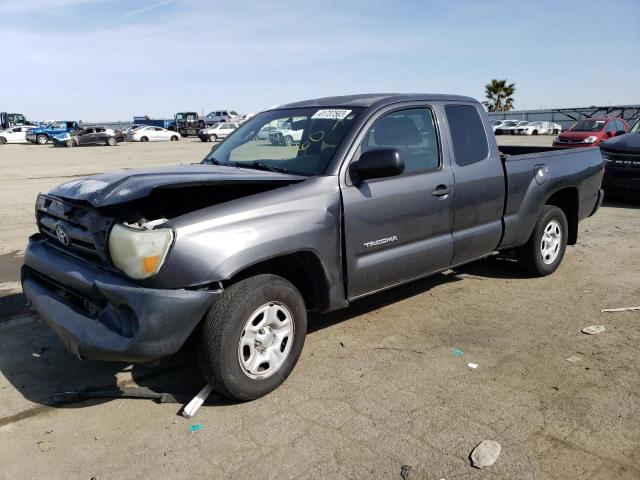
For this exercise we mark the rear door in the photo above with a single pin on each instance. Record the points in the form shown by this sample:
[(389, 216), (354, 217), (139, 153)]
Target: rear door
[(399, 228), (480, 184), (86, 136)]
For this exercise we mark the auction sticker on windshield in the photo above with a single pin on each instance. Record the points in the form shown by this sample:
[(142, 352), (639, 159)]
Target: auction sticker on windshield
[(332, 114)]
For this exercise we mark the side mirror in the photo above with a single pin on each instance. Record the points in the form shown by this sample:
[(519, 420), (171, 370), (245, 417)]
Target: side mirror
[(379, 163)]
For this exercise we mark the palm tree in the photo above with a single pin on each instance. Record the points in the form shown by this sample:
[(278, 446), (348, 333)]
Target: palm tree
[(499, 95)]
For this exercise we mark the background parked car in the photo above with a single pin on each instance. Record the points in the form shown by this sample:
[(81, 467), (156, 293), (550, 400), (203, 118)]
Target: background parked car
[(15, 134), (533, 128), (218, 116), (591, 131), (622, 164), (264, 132), (285, 135), (508, 127), (153, 134), (217, 132), (42, 135), (130, 129), (88, 136)]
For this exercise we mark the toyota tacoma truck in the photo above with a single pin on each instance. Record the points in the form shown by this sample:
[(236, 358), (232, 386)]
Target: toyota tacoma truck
[(233, 252)]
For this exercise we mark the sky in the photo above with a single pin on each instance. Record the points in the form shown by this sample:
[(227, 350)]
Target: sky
[(108, 60)]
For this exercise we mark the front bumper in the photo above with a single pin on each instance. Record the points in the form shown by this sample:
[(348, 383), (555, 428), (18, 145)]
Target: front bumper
[(100, 315)]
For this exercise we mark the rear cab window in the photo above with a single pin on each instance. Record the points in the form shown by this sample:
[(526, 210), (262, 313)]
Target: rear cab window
[(467, 134)]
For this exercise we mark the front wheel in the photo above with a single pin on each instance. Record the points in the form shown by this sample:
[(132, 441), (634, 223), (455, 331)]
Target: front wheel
[(42, 139), (252, 337), (70, 143), (544, 251), (111, 141), (174, 138), (213, 137), (287, 140), (3, 140)]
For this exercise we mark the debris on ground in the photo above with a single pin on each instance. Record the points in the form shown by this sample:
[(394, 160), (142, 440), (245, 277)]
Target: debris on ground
[(485, 453), (573, 359), (593, 329), (44, 445), (196, 427), (405, 472), (457, 352), (622, 309), (472, 365), (192, 407)]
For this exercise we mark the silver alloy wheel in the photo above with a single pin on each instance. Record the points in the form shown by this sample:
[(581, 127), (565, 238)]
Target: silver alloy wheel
[(551, 242), (266, 340)]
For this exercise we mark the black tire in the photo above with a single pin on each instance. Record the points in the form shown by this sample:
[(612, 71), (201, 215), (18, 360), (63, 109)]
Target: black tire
[(530, 255), (555, 132), (3, 140), (71, 143), (111, 142), (535, 132), (204, 139), (287, 140), (42, 139), (144, 139), (175, 138), (223, 327), (201, 124), (213, 137)]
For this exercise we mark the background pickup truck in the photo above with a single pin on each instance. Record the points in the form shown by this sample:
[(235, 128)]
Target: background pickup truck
[(42, 135), (380, 190)]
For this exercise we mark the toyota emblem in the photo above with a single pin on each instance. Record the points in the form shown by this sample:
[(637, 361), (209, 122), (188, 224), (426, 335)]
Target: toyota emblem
[(62, 236)]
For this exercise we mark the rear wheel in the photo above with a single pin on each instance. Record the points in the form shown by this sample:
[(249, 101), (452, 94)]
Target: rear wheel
[(535, 132), (42, 139), (252, 337), (544, 251), (71, 143), (111, 141), (3, 140), (213, 137), (144, 139), (288, 141)]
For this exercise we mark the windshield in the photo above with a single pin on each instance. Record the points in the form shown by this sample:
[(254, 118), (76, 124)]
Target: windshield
[(509, 124), (496, 122), (588, 126), (635, 128), (523, 124), (301, 141)]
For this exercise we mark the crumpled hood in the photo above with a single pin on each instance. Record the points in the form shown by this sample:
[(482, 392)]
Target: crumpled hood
[(627, 143), (124, 186)]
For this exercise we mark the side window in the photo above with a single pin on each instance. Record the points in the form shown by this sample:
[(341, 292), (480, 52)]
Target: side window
[(611, 126), (467, 134), (100, 130), (411, 132), (620, 126), (17, 129)]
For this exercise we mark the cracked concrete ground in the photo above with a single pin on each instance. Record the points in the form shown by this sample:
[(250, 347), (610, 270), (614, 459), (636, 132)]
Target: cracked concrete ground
[(377, 385)]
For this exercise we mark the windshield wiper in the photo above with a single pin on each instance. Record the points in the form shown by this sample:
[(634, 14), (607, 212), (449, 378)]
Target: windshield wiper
[(264, 166)]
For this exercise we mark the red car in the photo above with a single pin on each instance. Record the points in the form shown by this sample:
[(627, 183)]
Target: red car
[(591, 131)]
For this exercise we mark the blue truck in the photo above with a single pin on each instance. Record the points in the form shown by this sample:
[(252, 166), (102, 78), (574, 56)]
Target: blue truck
[(43, 135)]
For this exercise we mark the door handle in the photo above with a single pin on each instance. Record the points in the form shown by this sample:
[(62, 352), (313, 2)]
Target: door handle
[(441, 191)]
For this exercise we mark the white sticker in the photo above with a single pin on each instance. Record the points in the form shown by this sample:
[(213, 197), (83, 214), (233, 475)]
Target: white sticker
[(332, 114)]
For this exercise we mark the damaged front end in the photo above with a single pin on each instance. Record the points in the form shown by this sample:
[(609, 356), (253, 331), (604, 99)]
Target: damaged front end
[(91, 271)]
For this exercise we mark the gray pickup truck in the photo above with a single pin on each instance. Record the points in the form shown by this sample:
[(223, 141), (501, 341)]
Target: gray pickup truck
[(234, 251)]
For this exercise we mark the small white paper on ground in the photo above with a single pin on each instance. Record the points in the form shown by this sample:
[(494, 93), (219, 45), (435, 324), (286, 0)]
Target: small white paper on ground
[(573, 359), (485, 453), (593, 329), (192, 407), (472, 365)]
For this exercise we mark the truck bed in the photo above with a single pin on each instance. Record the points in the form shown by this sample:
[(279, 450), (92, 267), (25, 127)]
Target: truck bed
[(534, 174)]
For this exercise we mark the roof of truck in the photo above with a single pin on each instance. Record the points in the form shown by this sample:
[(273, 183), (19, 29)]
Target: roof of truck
[(368, 99)]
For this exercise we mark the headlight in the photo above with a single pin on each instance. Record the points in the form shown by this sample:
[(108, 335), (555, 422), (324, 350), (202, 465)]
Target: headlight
[(139, 253), (590, 139)]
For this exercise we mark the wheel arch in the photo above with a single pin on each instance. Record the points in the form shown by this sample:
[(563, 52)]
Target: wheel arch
[(303, 269), (567, 200)]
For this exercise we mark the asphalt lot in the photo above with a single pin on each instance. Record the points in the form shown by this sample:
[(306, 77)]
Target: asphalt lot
[(377, 385)]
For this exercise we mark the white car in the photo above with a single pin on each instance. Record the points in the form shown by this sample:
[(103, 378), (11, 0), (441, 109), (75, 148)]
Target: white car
[(16, 134), (508, 127), (495, 124), (128, 132), (152, 134), (532, 128), (221, 116), (217, 132), (285, 135)]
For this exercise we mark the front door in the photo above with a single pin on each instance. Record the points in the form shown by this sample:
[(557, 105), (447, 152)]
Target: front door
[(399, 228)]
